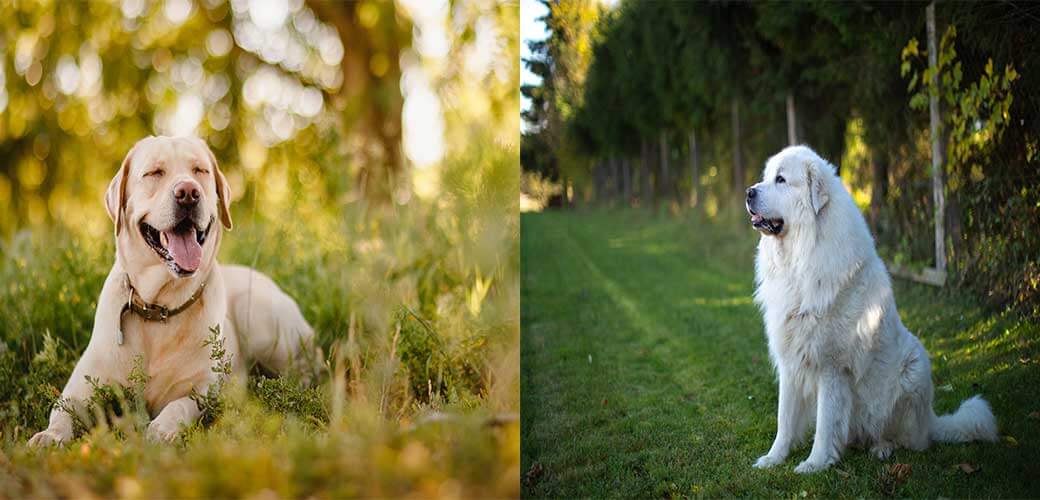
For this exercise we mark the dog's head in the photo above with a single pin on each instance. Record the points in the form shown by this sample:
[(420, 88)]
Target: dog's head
[(793, 190), (165, 201)]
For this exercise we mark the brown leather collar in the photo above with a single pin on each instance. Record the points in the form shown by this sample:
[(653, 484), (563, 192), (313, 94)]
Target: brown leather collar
[(158, 312)]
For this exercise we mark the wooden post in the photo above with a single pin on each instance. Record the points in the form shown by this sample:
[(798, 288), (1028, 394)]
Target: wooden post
[(792, 120), (695, 174), (626, 180), (664, 183), (738, 163), (932, 275), (938, 185), (646, 195), (615, 181)]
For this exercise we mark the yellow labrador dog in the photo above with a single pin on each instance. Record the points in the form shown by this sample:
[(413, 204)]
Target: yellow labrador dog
[(169, 202)]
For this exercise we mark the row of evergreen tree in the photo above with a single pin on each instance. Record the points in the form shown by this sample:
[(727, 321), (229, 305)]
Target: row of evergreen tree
[(646, 102)]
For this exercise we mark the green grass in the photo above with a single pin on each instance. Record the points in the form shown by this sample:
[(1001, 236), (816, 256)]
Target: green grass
[(419, 319), (645, 371)]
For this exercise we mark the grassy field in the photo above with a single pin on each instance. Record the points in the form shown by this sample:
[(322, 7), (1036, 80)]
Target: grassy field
[(645, 372), (417, 308)]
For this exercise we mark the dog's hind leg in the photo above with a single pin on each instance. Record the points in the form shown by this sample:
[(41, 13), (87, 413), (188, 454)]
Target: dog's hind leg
[(914, 421), (271, 329)]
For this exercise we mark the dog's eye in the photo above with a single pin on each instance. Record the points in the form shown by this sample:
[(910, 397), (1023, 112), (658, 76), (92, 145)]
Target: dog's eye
[(780, 179), (200, 170), (155, 173)]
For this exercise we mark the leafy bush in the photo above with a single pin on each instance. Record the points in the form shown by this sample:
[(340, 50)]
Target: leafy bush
[(992, 190)]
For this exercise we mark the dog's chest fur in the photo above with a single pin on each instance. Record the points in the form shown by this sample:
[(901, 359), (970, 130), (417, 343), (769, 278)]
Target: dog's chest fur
[(803, 337), (174, 358)]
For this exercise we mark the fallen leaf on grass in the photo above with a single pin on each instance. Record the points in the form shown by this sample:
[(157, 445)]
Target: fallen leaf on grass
[(533, 474), (604, 402), (968, 468), (945, 388), (892, 476), (1010, 441), (900, 472)]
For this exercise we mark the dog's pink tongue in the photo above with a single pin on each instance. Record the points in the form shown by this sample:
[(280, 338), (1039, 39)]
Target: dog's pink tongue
[(185, 249)]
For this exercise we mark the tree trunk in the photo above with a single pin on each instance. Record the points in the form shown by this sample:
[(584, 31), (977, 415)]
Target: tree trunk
[(738, 161), (792, 120), (695, 168), (646, 195), (566, 191), (664, 183), (377, 121), (612, 177), (938, 155), (626, 180)]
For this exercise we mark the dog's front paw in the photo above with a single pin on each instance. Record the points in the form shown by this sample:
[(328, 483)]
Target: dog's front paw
[(809, 466), (163, 432), (48, 437), (767, 461), (882, 450)]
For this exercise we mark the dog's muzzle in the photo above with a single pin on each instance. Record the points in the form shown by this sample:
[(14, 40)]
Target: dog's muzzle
[(766, 226)]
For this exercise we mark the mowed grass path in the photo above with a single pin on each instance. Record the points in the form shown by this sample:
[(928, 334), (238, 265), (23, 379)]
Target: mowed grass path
[(645, 371)]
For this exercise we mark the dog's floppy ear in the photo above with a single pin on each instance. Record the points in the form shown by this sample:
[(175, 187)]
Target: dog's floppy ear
[(223, 190), (115, 196), (817, 180)]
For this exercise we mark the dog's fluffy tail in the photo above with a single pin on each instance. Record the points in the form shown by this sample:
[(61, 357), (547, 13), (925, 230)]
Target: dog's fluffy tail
[(973, 421)]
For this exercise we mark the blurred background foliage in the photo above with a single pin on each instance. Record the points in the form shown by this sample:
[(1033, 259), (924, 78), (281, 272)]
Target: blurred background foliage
[(371, 149), (357, 98), (679, 104)]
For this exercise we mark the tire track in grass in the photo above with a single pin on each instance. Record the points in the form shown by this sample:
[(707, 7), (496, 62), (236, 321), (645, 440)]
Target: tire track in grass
[(609, 422), (657, 377), (709, 363)]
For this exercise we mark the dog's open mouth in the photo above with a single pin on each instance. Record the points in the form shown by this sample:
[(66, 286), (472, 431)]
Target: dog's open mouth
[(180, 246), (770, 226)]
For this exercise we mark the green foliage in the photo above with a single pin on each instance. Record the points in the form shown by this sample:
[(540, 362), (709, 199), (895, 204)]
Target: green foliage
[(114, 405), (991, 248), (441, 370), (562, 62), (976, 114), (289, 395), (211, 403), (27, 402)]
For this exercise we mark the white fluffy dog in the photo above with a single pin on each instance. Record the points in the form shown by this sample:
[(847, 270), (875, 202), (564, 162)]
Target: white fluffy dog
[(843, 357)]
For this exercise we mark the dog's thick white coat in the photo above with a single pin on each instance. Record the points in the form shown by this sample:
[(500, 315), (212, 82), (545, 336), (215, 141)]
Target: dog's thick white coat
[(259, 323), (844, 360)]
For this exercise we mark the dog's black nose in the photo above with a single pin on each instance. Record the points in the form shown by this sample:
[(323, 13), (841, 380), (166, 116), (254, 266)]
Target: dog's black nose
[(187, 194), (751, 193)]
